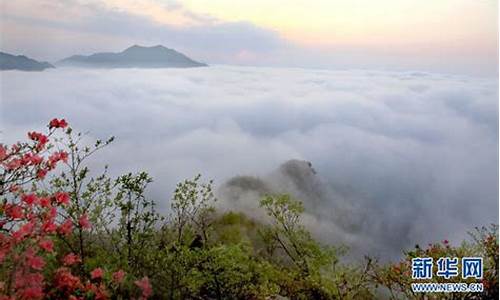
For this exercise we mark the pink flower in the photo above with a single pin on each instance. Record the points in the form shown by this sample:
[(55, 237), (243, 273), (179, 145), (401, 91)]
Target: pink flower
[(49, 226), (44, 202), (13, 164), (66, 227), (28, 286), (98, 290), (40, 138), (145, 286), (3, 153), (52, 213), (63, 156), (66, 281), (84, 222), (34, 292), (62, 198), (56, 157), (36, 160), (118, 276), (97, 273), (14, 211), (71, 259), (40, 174), (29, 199), (23, 231), (46, 245), (36, 262), (55, 123)]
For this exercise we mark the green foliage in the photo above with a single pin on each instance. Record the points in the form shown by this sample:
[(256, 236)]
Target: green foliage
[(311, 270), (90, 196), (290, 236), (192, 210)]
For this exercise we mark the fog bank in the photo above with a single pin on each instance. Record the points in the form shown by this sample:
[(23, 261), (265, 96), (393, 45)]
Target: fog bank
[(396, 158)]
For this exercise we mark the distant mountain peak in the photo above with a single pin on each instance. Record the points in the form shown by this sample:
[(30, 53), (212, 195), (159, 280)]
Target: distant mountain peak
[(135, 56), (21, 62), (139, 47)]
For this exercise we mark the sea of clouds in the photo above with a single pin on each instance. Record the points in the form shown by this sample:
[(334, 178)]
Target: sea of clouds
[(384, 160)]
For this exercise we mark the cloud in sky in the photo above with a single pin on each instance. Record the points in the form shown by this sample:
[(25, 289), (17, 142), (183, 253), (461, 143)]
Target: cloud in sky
[(64, 28), (394, 35), (400, 157)]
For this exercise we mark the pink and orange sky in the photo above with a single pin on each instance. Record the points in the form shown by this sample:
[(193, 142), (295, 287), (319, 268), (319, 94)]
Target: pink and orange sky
[(448, 36)]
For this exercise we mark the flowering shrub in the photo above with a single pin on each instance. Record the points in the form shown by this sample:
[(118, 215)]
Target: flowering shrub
[(32, 223)]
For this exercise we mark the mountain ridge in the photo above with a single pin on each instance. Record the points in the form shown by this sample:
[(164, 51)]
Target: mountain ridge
[(21, 62), (133, 57)]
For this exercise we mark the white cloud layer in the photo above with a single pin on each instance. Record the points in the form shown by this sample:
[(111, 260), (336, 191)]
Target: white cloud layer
[(406, 157)]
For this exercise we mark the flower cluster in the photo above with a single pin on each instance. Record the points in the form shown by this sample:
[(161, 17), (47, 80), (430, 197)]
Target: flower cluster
[(23, 162), (34, 221), (56, 123)]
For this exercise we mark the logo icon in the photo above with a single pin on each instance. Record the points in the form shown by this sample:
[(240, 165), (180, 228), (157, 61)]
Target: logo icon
[(447, 267), (472, 267), (422, 267)]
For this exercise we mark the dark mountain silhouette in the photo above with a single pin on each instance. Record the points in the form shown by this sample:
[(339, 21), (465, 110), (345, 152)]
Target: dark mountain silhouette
[(21, 62), (133, 57)]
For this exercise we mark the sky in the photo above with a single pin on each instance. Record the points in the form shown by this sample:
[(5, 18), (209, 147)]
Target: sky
[(454, 36)]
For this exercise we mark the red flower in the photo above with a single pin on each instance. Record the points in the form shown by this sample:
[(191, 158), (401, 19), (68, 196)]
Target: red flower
[(40, 174), (46, 245), (31, 159), (28, 285), (29, 199), (35, 159), (62, 198), (66, 281), (55, 123), (51, 213), (40, 138), (56, 157), (145, 286), (71, 259), (97, 273), (99, 292), (84, 222), (13, 164), (14, 211), (34, 292), (23, 231), (118, 276), (44, 202), (66, 227), (3, 153), (49, 227), (36, 262)]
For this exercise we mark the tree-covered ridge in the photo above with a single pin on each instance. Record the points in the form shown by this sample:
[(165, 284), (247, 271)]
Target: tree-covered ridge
[(65, 234)]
